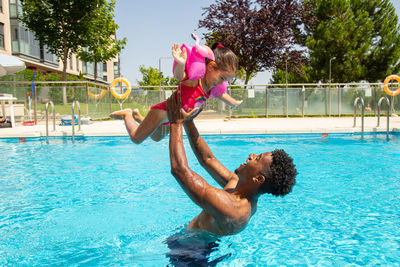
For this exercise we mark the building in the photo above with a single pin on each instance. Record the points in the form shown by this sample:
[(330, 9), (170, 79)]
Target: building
[(16, 40)]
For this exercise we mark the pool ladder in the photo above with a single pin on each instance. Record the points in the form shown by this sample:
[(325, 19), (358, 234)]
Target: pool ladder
[(73, 118), (387, 115), (362, 113), (47, 119)]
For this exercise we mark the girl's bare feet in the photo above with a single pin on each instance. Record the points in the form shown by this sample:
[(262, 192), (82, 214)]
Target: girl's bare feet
[(120, 114), (137, 116)]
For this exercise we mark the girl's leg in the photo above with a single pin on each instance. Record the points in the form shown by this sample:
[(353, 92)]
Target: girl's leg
[(150, 123), (159, 133)]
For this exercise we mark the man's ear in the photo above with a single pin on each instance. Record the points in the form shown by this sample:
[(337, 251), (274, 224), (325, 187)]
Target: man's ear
[(259, 179)]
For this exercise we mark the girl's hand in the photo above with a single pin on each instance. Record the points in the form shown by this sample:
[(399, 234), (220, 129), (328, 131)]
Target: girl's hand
[(179, 55)]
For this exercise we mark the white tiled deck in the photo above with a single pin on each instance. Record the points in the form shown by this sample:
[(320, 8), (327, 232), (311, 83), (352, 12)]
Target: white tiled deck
[(220, 126)]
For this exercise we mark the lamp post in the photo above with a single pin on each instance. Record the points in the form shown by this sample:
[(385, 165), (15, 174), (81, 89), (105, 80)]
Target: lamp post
[(159, 69), (160, 73), (330, 81)]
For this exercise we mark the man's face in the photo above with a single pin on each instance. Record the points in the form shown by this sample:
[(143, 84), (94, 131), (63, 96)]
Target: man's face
[(255, 164)]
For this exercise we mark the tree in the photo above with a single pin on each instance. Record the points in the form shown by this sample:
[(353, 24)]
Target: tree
[(102, 43), (63, 26), (384, 54), (151, 76), (260, 32), (356, 39)]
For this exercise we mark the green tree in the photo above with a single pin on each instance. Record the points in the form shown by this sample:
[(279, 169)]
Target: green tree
[(63, 26), (102, 43), (384, 54), (260, 32), (353, 39), (151, 76)]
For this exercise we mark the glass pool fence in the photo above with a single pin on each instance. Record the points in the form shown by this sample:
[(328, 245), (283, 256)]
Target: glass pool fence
[(267, 100)]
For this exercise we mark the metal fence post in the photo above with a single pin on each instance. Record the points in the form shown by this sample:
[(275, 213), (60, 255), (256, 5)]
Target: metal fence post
[(375, 100), (109, 99), (87, 99), (330, 99), (266, 101), (339, 100), (34, 104), (229, 107), (303, 93), (287, 101)]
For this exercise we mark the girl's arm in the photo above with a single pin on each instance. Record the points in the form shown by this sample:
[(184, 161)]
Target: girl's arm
[(180, 57), (227, 99)]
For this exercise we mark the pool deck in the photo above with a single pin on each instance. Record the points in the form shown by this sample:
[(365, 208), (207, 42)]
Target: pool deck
[(220, 126)]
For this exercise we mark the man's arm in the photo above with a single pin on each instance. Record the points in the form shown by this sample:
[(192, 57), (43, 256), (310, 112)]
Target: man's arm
[(214, 201), (206, 158)]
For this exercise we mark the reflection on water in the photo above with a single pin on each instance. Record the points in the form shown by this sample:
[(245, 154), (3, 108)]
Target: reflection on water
[(193, 248)]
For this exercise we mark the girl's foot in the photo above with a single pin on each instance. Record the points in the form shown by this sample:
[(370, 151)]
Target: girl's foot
[(120, 114), (137, 116)]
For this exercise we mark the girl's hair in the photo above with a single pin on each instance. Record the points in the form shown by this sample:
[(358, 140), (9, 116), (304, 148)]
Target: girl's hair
[(224, 58)]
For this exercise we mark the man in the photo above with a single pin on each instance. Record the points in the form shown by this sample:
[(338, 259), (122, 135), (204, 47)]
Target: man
[(225, 211)]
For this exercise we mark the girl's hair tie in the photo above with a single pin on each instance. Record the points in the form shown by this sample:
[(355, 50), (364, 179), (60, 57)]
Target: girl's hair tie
[(220, 46)]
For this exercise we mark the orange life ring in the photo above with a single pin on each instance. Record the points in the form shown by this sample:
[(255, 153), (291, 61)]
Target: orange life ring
[(128, 88), (386, 87), (97, 96)]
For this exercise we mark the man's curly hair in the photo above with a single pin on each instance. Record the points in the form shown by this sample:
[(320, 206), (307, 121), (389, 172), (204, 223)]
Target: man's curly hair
[(281, 175)]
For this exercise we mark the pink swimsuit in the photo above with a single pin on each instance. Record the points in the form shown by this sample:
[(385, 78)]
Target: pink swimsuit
[(192, 97)]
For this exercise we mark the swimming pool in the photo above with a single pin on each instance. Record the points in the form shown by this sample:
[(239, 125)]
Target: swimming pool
[(106, 201)]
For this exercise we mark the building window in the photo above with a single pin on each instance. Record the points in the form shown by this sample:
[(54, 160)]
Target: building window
[(1, 35), (14, 39), (105, 67), (24, 42), (1, 6), (116, 70), (104, 77), (49, 57), (15, 8), (70, 62), (77, 64)]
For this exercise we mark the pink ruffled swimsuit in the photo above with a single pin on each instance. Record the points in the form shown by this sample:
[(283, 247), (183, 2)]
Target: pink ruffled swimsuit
[(195, 69), (192, 97)]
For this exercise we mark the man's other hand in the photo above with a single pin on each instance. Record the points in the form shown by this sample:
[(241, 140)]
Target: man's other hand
[(175, 112)]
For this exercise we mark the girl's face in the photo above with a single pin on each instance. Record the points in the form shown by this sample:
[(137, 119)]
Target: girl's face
[(215, 77)]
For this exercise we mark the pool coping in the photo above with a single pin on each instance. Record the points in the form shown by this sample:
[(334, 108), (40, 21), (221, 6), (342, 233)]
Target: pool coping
[(220, 127)]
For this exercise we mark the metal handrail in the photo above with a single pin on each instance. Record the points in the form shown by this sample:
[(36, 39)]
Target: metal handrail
[(388, 113), (73, 118), (362, 113), (47, 119)]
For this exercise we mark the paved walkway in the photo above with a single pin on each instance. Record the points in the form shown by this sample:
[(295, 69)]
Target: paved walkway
[(219, 126)]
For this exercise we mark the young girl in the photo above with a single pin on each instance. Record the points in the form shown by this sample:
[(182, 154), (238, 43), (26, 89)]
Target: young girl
[(194, 93)]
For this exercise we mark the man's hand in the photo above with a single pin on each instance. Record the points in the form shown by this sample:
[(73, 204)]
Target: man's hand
[(176, 114), (194, 115), (179, 55)]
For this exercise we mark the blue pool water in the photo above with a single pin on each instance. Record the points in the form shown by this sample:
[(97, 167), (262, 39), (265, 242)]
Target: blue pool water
[(106, 201)]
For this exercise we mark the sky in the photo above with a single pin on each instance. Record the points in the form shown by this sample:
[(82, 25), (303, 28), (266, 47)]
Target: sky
[(152, 27)]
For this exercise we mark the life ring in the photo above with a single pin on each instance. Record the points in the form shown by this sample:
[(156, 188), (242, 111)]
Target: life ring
[(128, 88), (97, 96), (386, 87)]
